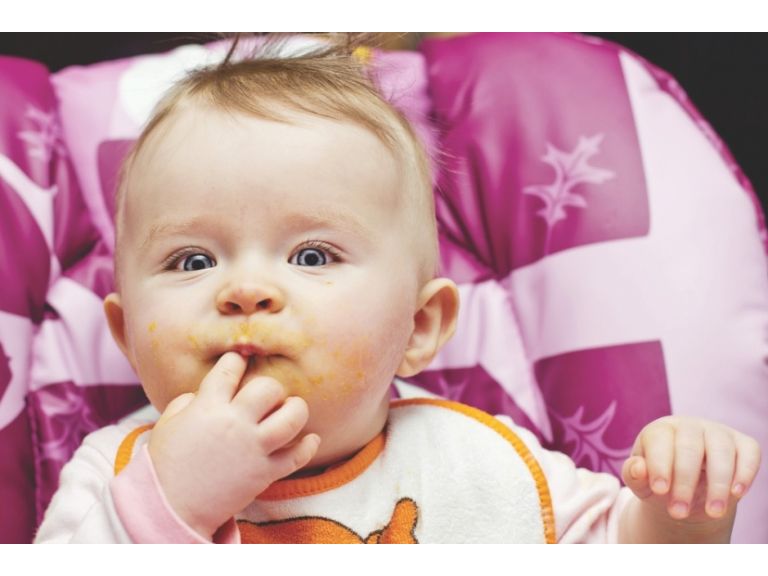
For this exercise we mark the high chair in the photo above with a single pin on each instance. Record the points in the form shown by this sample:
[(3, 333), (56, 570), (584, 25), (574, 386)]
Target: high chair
[(611, 255)]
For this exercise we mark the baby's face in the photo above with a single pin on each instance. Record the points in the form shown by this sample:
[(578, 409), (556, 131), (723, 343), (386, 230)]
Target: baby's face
[(284, 242)]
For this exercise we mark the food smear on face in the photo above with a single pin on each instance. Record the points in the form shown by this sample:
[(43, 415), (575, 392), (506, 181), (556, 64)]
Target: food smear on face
[(279, 353), (154, 343), (193, 340)]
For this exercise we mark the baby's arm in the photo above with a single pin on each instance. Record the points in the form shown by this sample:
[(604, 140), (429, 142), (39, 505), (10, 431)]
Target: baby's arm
[(215, 451), (587, 505), (219, 461), (688, 475)]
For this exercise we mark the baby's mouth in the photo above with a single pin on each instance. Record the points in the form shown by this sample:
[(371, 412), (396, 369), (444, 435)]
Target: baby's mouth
[(249, 350), (257, 357), (250, 340)]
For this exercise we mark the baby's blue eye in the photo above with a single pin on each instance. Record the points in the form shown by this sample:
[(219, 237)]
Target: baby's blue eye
[(310, 257), (195, 262)]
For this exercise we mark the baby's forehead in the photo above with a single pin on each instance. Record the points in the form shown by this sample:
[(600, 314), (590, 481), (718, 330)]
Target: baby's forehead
[(301, 139), (295, 152), (295, 131)]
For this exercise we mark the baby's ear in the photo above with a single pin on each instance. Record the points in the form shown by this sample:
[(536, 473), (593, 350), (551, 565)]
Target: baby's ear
[(113, 309), (434, 323)]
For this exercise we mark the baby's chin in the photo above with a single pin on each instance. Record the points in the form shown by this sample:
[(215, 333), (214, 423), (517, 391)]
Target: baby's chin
[(324, 460), (342, 430)]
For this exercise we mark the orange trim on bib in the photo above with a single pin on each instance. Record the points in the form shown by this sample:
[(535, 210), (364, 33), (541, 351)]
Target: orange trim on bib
[(125, 450), (328, 480), (545, 498)]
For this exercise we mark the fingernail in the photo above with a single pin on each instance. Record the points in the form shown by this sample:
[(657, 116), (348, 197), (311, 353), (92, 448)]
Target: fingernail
[(716, 508), (738, 490), (679, 510), (660, 486), (635, 470)]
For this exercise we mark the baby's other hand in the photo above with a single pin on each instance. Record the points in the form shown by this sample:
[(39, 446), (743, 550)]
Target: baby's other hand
[(216, 450), (695, 470)]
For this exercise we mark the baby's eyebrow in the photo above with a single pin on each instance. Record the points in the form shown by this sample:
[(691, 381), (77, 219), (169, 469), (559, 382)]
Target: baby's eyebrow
[(174, 228), (331, 219), (296, 222)]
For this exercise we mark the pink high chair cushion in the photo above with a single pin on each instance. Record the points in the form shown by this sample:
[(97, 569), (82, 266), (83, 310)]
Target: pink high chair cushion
[(609, 250), (54, 273), (25, 261)]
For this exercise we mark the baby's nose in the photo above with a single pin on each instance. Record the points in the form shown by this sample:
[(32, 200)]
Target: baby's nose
[(249, 299)]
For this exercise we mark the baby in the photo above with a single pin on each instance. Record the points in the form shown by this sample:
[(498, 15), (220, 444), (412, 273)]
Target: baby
[(276, 267)]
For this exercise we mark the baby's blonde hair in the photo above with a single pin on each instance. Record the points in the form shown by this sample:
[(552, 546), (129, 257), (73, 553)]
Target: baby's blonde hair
[(329, 82)]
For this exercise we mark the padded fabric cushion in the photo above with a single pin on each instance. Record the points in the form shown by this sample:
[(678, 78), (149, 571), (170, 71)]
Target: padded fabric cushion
[(608, 248), (55, 271)]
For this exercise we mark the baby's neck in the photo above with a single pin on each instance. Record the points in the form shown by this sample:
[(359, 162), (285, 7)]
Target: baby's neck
[(311, 471), (317, 470)]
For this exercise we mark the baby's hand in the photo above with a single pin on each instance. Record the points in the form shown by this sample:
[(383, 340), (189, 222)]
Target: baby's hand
[(216, 450), (691, 469)]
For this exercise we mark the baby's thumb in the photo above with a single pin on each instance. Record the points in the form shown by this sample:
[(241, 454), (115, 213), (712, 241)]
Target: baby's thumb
[(175, 406), (635, 476)]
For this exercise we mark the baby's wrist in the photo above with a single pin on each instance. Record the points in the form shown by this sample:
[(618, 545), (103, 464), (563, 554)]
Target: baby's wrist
[(183, 504), (655, 525)]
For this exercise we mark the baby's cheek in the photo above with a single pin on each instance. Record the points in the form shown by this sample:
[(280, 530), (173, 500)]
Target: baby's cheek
[(163, 363), (323, 374), (361, 365), (160, 339)]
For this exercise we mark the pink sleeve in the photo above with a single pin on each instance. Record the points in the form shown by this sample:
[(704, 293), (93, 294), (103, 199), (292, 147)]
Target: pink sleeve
[(587, 505), (145, 513)]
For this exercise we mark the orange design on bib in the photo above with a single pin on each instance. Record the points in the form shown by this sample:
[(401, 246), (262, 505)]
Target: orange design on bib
[(318, 530)]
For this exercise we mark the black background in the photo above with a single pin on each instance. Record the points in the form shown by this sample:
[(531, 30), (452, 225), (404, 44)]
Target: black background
[(724, 74)]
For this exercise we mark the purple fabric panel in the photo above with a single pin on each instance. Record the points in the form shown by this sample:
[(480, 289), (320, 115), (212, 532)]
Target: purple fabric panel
[(17, 483), (459, 263), (599, 399), (25, 112), (42, 212), (26, 120), (96, 270), (32, 136), (110, 156), (24, 258), (74, 232), (535, 127), (24, 255), (473, 386), (61, 416)]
